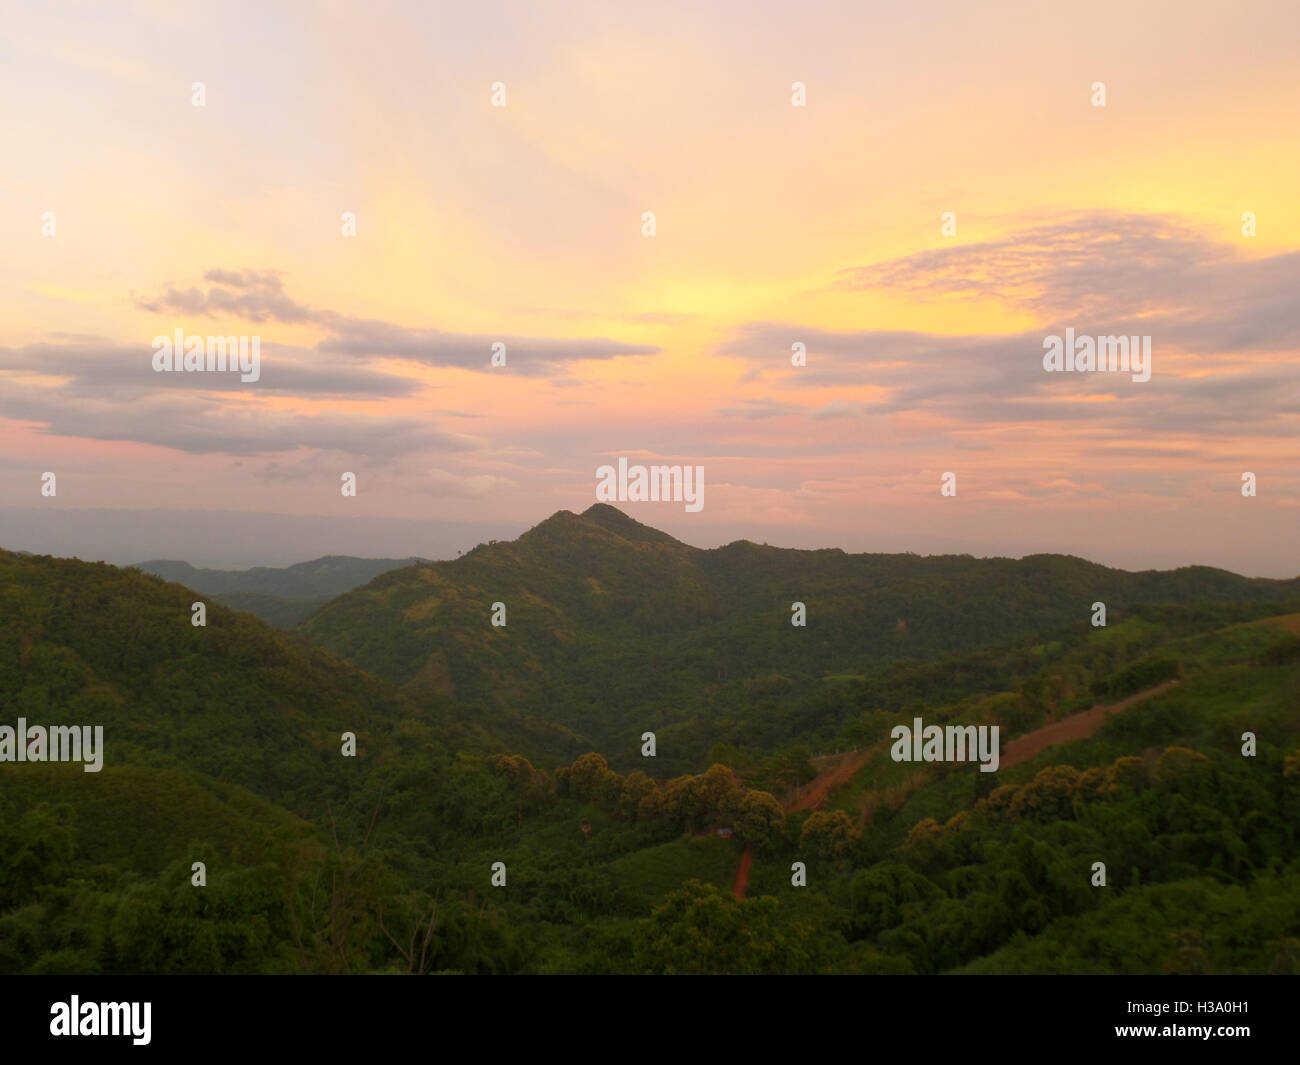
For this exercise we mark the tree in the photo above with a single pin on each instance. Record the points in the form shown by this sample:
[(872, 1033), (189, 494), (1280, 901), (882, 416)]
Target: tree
[(756, 817), (828, 834), (606, 790), (586, 776), (1049, 796), (712, 792), (880, 897), (1125, 777), (924, 846), (531, 788), (794, 768), (637, 789), (700, 929)]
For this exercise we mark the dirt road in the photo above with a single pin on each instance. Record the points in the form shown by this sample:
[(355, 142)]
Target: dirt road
[(1075, 727), (839, 769), (843, 768), (742, 873)]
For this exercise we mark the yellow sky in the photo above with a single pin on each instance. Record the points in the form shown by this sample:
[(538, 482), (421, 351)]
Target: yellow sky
[(526, 221)]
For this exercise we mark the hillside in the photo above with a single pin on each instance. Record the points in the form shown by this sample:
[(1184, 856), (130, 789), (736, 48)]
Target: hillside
[(222, 747), (221, 743), (283, 597), (614, 628), (235, 700)]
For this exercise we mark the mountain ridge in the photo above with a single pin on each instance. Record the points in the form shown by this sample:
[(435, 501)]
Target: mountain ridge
[(608, 624)]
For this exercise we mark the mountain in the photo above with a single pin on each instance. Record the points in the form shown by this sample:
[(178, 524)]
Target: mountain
[(223, 744), (223, 756), (283, 597), (234, 699), (614, 628)]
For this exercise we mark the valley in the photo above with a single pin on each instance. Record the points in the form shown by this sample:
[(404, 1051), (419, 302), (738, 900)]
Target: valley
[(521, 745)]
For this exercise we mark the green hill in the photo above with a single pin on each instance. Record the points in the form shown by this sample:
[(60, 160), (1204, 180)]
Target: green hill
[(283, 597), (223, 748), (614, 628)]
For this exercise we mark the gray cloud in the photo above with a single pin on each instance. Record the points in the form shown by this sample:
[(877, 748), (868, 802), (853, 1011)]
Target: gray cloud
[(759, 408), (252, 295), (259, 296), (110, 391), (1126, 273), (1001, 379), (202, 425), (1103, 275), (100, 369), (1114, 263), (844, 408), (113, 393), (530, 356)]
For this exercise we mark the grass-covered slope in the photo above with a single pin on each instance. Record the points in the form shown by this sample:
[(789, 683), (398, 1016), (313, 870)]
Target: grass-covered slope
[(222, 747), (283, 597), (613, 628)]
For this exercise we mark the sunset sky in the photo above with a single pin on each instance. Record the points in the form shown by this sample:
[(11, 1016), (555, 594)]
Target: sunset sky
[(775, 224)]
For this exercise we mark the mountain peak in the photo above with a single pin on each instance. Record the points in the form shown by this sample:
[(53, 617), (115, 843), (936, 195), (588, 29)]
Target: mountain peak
[(600, 516), (615, 521)]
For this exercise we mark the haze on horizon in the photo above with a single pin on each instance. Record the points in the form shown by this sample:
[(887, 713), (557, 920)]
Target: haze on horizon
[(232, 540), (775, 225)]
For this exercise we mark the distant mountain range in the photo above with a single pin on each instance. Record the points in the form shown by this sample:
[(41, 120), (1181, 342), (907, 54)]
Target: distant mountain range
[(283, 597)]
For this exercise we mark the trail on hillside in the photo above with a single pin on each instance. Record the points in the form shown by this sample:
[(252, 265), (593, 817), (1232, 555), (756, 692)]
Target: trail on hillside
[(742, 873), (1075, 727), (840, 769)]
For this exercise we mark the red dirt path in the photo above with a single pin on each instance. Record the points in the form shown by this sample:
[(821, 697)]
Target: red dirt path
[(1022, 748), (1075, 727), (814, 796), (742, 873), (840, 769)]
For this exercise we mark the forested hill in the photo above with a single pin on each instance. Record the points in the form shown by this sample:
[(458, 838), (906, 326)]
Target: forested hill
[(223, 744), (282, 597), (234, 699), (222, 747), (328, 576), (608, 619)]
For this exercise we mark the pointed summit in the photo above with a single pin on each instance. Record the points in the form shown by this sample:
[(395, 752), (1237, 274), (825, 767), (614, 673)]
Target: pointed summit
[(615, 521), (600, 521)]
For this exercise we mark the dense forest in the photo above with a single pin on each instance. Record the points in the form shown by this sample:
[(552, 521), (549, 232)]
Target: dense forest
[(499, 815), (285, 596)]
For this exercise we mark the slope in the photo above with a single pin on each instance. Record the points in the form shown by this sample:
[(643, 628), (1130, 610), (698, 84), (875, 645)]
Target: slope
[(613, 628)]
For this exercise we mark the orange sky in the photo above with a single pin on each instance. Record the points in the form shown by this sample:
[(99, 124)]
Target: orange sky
[(775, 224)]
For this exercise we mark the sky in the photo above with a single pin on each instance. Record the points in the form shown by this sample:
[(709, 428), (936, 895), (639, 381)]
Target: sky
[(949, 194)]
